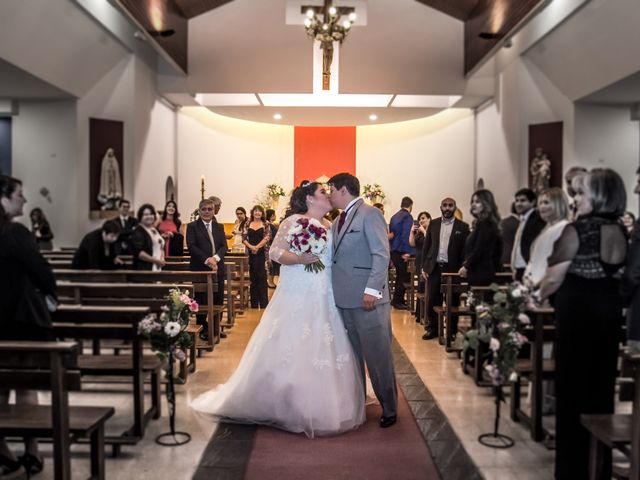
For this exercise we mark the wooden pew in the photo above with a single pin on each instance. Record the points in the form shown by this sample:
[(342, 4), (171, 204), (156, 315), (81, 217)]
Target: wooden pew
[(120, 323), (205, 282), (617, 431), (410, 286), (152, 295), (536, 369), (51, 366), (240, 281)]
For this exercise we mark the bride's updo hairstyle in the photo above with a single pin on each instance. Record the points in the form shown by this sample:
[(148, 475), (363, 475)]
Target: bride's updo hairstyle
[(299, 196)]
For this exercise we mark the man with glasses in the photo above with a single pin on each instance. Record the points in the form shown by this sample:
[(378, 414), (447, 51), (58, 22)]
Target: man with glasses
[(207, 246)]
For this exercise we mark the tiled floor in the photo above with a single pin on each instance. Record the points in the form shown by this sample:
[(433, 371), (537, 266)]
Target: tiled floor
[(468, 408)]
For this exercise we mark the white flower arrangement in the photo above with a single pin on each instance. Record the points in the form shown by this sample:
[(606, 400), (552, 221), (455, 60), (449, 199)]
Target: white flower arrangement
[(275, 190), (373, 192)]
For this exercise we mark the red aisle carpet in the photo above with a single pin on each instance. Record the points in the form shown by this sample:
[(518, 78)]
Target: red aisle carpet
[(369, 453)]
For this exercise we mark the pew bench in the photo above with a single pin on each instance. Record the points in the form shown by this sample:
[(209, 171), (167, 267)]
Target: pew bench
[(617, 431), (51, 366), (119, 323), (202, 282)]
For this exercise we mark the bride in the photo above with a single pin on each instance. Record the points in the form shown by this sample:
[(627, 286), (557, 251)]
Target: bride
[(298, 372)]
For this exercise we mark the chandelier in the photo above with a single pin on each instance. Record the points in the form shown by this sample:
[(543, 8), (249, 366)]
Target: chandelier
[(326, 30)]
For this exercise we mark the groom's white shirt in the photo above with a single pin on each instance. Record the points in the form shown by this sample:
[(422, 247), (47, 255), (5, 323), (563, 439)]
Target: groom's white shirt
[(369, 291)]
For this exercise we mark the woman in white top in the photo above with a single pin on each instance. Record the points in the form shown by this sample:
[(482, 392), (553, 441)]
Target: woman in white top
[(238, 231), (553, 208)]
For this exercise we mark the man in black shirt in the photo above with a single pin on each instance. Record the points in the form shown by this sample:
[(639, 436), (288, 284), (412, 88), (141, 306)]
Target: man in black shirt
[(97, 249)]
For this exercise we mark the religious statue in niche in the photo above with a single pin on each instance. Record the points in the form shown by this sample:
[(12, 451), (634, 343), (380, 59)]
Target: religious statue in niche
[(540, 171), (110, 181)]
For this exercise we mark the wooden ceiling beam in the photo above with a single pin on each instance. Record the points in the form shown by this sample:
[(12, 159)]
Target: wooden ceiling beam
[(460, 9), (193, 8)]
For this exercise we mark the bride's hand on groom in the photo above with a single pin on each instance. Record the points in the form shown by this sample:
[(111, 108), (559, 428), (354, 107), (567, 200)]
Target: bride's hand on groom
[(307, 259)]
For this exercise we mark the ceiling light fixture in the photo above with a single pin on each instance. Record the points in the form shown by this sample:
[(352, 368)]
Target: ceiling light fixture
[(373, 117), (277, 116), (162, 33), (326, 30)]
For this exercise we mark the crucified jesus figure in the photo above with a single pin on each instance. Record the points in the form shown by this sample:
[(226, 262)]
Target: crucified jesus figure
[(327, 58)]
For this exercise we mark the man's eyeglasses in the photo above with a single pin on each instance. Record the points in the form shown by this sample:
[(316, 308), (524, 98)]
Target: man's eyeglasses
[(207, 209)]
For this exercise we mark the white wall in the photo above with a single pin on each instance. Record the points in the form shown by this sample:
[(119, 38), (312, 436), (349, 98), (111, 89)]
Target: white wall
[(44, 155), (607, 137), (426, 159), (238, 159)]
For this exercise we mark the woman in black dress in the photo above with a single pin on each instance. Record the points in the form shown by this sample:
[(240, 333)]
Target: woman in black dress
[(27, 292), (147, 245), (416, 240), (483, 248), (583, 275), (274, 267), (41, 229), (256, 237)]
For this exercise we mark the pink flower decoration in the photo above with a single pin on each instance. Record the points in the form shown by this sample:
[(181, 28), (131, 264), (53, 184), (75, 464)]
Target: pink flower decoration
[(193, 306)]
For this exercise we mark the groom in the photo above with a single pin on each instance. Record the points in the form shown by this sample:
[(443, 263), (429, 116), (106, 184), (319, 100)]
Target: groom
[(360, 279)]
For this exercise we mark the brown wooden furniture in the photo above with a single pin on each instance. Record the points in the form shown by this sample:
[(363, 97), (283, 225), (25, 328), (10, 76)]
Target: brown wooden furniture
[(618, 431), (205, 282), (535, 369), (119, 323), (51, 366)]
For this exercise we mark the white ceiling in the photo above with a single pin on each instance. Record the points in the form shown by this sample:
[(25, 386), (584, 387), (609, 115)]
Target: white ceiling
[(245, 46)]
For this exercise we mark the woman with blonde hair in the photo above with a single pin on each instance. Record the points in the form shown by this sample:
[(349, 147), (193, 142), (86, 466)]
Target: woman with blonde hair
[(553, 208)]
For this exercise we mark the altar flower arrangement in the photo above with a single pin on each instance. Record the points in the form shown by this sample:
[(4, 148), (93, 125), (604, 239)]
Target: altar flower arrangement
[(167, 332), (274, 190), (500, 323), (308, 235), (373, 192)]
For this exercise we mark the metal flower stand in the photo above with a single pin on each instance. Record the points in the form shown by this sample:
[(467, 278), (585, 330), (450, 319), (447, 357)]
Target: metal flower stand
[(495, 439), (172, 438)]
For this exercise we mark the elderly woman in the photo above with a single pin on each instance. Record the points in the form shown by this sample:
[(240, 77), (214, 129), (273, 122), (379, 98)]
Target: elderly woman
[(27, 291), (147, 245), (483, 250), (553, 208), (583, 274)]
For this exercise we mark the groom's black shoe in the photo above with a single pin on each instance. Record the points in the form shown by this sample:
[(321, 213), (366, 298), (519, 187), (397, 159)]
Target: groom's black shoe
[(386, 422)]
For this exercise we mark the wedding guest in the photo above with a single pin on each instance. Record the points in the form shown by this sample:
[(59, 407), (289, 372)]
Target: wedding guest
[(41, 229), (147, 245), (508, 228), (583, 275), (256, 238), (572, 173), (238, 229), (274, 267), (169, 228), (443, 252), (416, 240), (483, 249), (127, 223), (27, 292), (380, 207), (554, 210), (207, 246), (529, 228), (400, 226), (629, 221), (631, 282), (97, 249)]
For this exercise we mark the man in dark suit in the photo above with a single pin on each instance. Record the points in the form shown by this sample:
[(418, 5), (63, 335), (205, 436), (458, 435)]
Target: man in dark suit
[(207, 246), (443, 252), (529, 228), (508, 228), (127, 224)]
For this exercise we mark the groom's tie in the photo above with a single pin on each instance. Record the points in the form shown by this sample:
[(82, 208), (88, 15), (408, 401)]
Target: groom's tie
[(343, 215)]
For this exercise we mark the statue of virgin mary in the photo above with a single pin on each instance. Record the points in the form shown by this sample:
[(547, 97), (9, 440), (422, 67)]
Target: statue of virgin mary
[(110, 181)]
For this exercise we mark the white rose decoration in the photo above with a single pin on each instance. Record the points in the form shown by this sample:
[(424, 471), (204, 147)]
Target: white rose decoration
[(494, 345), (172, 329)]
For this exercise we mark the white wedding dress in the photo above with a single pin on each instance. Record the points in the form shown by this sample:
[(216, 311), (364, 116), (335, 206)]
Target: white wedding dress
[(298, 372)]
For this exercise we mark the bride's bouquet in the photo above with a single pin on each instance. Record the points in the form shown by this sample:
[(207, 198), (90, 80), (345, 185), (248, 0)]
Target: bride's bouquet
[(308, 235)]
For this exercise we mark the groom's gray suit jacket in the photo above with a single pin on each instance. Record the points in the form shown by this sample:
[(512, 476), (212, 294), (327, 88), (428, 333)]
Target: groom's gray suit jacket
[(360, 256)]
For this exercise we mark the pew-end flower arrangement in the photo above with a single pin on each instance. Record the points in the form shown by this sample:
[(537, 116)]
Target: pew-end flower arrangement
[(169, 340), (373, 192), (499, 324), (167, 333)]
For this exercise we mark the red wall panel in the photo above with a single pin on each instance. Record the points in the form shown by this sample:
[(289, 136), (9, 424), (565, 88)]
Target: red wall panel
[(323, 151)]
